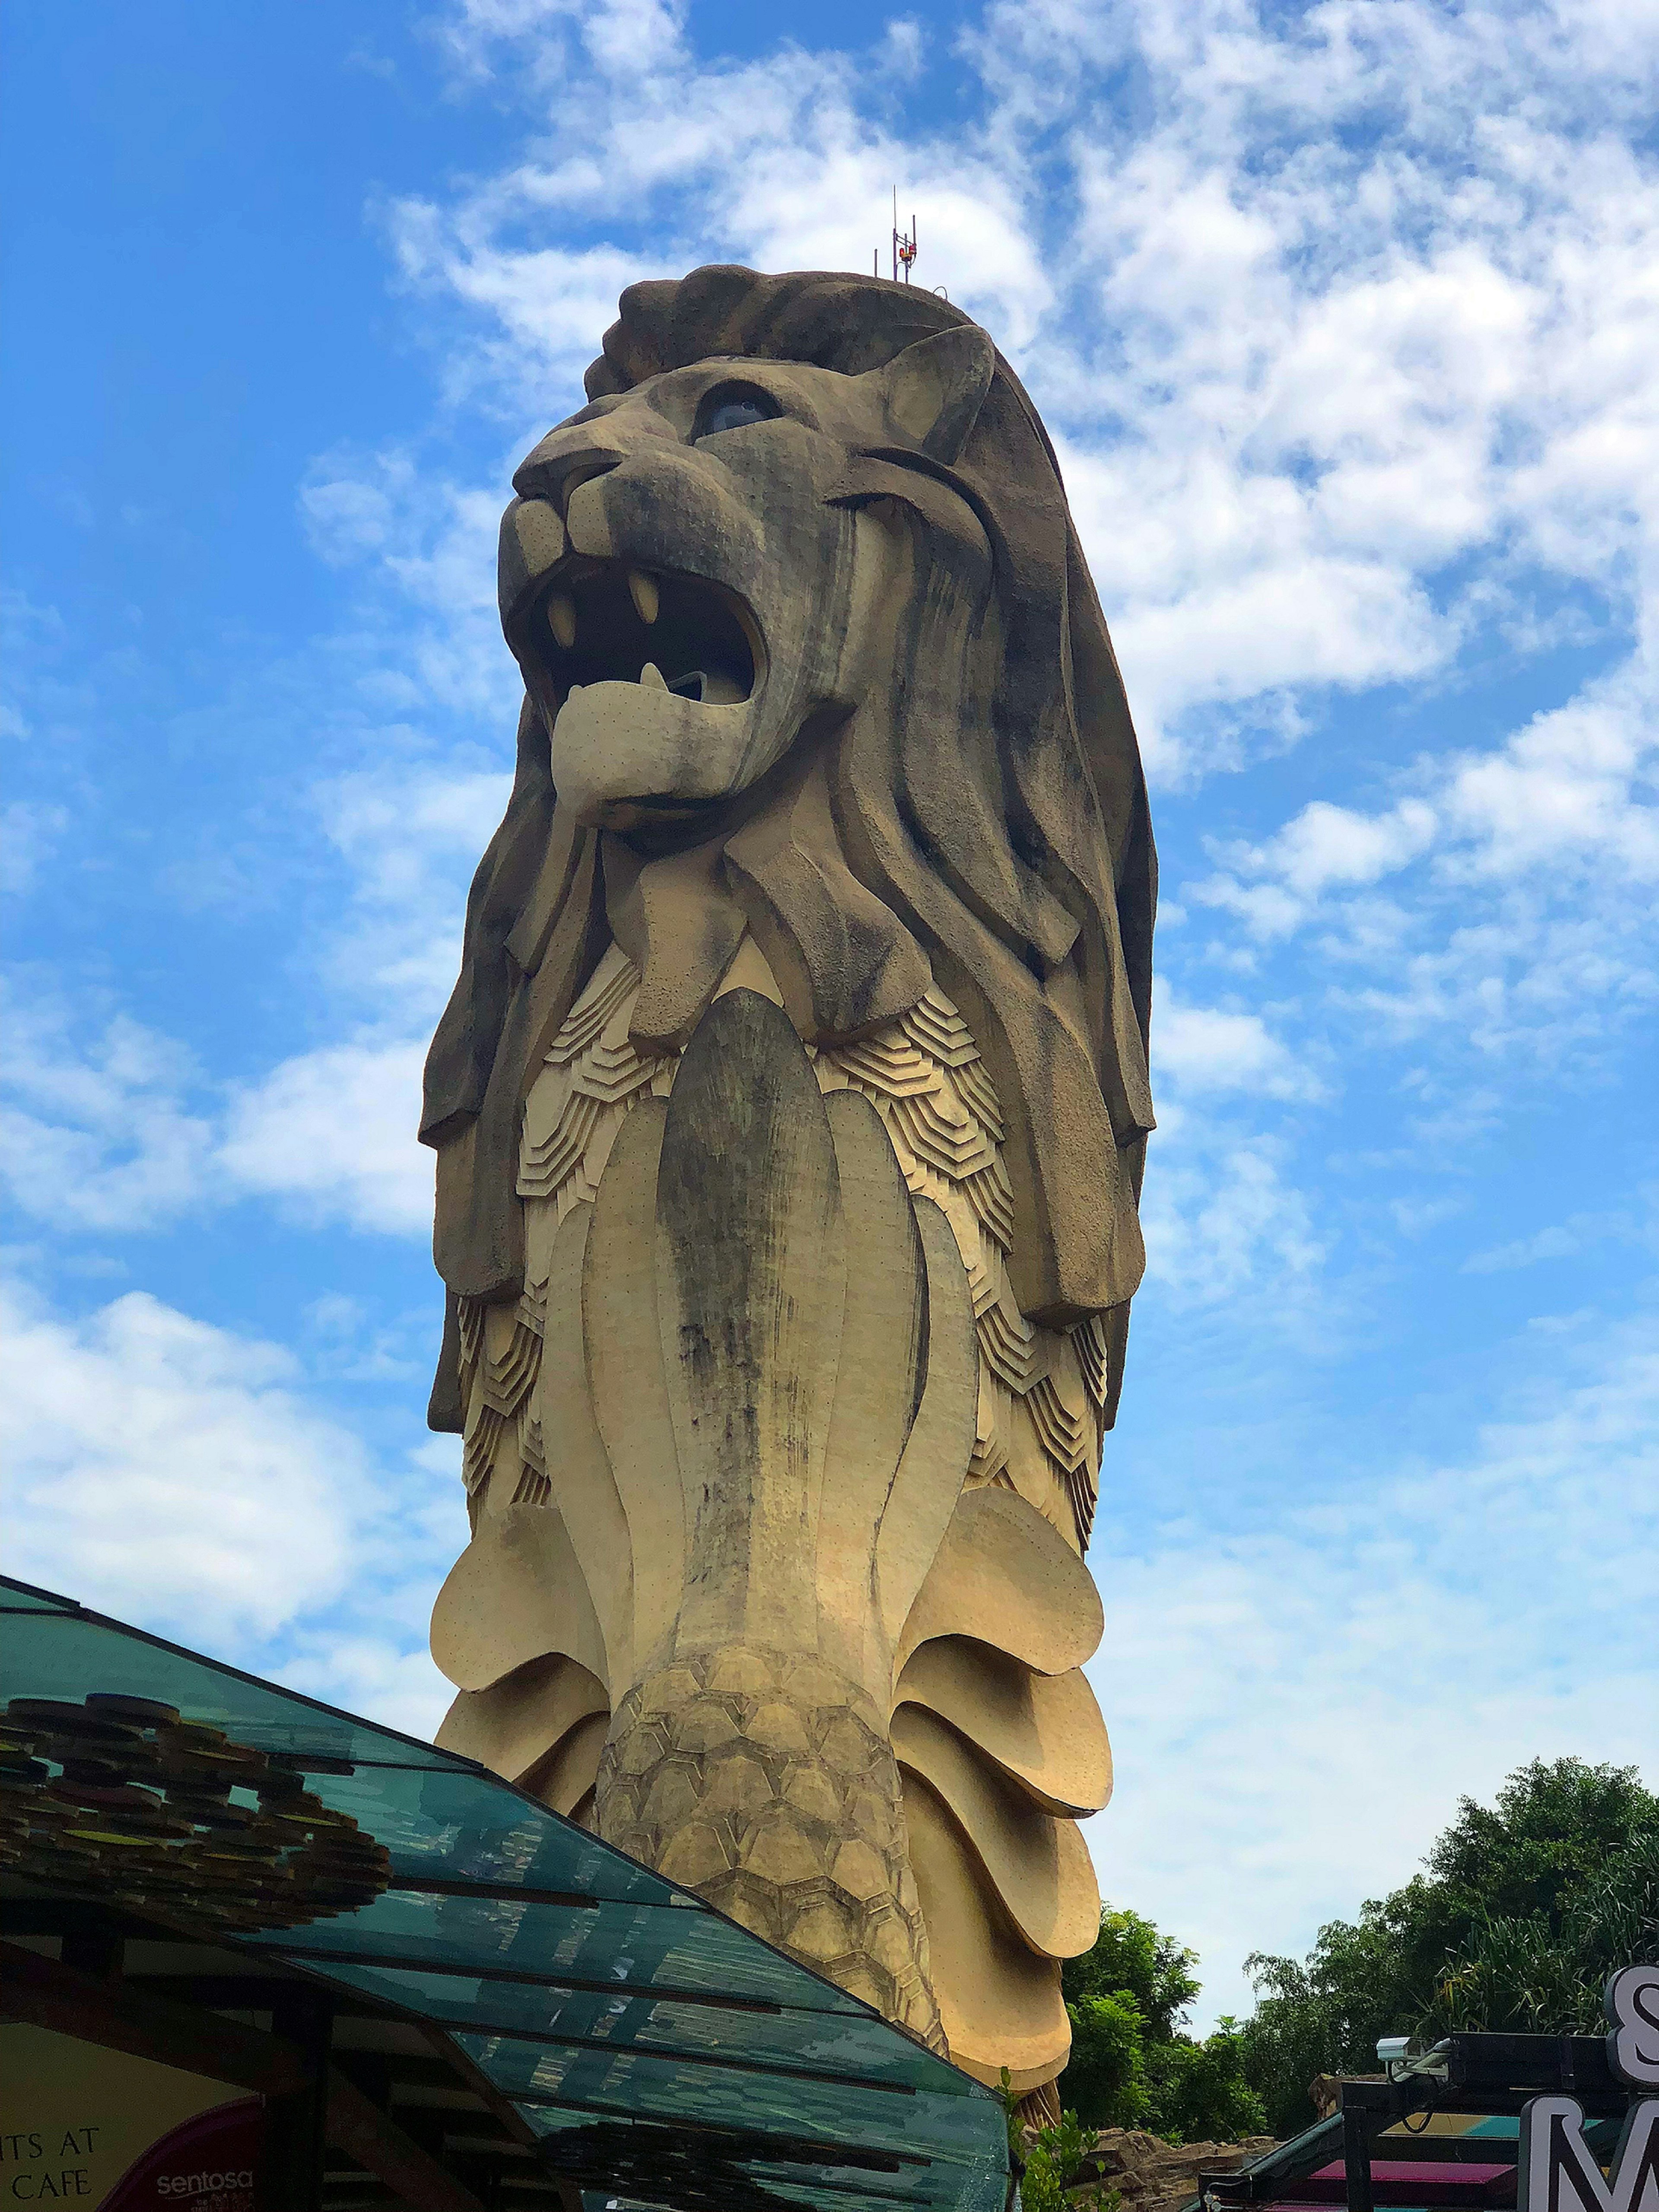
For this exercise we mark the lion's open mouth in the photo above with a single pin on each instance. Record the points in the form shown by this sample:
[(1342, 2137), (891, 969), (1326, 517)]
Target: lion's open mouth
[(602, 622)]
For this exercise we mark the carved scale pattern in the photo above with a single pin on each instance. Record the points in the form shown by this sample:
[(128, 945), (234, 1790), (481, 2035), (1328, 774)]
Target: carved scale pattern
[(758, 1762), (1042, 1391)]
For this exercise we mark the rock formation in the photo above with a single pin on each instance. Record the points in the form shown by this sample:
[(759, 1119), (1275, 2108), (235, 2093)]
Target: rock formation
[(1151, 2175)]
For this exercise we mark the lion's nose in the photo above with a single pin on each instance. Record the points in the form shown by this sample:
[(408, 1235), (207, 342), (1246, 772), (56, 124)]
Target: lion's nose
[(668, 505), (554, 471)]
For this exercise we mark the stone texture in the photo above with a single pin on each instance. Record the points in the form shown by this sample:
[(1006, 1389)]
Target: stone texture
[(790, 1113), (797, 1831), (1154, 2176)]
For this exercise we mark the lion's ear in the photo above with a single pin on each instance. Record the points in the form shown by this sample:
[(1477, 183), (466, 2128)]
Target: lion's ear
[(934, 389)]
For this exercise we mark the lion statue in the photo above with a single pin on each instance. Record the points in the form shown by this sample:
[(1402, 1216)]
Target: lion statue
[(790, 1112)]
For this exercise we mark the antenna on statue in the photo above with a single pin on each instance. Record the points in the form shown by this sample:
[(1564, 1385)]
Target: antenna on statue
[(905, 246), (904, 243)]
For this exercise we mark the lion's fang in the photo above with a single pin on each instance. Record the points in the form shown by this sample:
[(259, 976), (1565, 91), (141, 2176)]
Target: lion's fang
[(652, 678), (644, 590), (562, 619)]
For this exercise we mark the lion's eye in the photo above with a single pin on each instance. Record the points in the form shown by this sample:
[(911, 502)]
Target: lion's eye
[(733, 407)]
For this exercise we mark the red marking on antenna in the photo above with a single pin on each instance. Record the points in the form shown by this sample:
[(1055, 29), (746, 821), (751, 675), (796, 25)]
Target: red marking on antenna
[(904, 244)]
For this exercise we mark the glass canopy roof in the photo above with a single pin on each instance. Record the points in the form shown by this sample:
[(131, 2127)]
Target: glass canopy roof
[(646, 2038)]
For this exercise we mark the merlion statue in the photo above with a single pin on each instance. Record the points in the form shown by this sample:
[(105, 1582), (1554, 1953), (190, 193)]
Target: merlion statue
[(790, 1113)]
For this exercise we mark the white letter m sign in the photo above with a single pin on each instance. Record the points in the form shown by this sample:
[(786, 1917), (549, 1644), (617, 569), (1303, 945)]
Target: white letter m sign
[(1558, 2174)]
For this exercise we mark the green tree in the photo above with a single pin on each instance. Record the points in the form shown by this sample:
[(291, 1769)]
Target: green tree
[(1133, 2065), (1200, 2092), (1129, 1955), (1105, 2077), (1542, 1971), (1523, 1908)]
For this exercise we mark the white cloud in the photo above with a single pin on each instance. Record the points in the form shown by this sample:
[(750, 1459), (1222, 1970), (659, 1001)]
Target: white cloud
[(1222, 1216), (95, 1137), (1575, 788), (429, 633), (333, 1131), (1415, 1216), (29, 832), (1568, 1239), (1295, 1710), (177, 1475), (118, 1130), (1507, 897), (94, 1134), (412, 833), (30, 635), (551, 303), (164, 1469), (1562, 1240), (1222, 1212), (1212, 1049), (1355, 298), (347, 516), (1323, 847), (1572, 792)]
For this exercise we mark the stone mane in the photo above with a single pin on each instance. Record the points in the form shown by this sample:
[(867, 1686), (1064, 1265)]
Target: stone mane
[(1007, 850)]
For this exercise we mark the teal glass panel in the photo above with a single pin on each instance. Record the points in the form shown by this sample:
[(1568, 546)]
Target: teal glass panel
[(641, 2084), (861, 2053), (668, 2085), (684, 2042), (462, 1824), (927, 2141), (649, 1947), (859, 2049), (858, 2053), (20, 1597), (68, 1656), (641, 2170)]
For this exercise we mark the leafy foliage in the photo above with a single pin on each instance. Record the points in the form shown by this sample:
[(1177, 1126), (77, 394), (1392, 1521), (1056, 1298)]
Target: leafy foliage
[(1053, 2162), (1541, 1972), (1051, 2171), (1131, 2065), (1106, 2074), (1523, 1909), (1130, 1957), (1200, 2092)]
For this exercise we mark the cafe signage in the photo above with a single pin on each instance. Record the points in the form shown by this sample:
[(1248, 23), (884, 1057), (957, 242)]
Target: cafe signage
[(105, 2131)]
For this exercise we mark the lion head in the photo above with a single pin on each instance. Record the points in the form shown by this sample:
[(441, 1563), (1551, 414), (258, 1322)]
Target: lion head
[(810, 649)]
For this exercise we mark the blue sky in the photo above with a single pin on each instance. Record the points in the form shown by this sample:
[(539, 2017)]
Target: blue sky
[(1343, 319)]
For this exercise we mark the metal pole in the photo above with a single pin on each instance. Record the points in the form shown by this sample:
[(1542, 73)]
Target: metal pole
[(296, 2127), (1356, 2156)]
